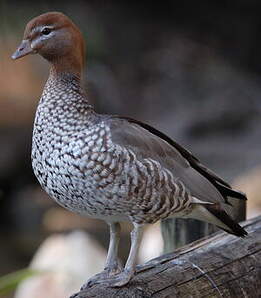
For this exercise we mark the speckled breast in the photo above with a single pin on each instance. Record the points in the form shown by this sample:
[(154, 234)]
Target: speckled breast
[(80, 167)]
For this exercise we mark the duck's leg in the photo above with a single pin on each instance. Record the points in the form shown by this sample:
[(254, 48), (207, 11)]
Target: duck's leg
[(124, 277), (112, 265)]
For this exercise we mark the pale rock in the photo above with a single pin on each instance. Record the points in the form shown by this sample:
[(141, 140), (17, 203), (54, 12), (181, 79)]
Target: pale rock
[(251, 185), (152, 243), (64, 263)]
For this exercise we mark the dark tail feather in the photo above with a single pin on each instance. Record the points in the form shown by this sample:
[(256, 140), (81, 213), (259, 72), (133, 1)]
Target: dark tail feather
[(234, 228), (229, 192)]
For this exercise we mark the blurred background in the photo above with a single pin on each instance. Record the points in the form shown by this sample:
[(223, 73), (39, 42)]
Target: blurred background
[(191, 69)]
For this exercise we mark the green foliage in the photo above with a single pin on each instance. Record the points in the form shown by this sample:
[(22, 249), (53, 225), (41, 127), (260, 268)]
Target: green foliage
[(10, 281)]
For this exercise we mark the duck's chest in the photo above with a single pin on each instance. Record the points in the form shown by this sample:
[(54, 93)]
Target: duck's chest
[(81, 170), (68, 162), (54, 159)]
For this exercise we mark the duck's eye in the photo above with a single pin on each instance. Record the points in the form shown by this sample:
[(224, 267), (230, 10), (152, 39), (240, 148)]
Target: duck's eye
[(46, 31)]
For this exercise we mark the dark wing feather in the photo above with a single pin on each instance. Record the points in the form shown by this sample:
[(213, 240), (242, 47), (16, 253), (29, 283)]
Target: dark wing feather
[(148, 142)]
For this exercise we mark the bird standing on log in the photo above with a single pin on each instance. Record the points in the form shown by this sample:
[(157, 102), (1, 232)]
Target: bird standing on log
[(110, 167)]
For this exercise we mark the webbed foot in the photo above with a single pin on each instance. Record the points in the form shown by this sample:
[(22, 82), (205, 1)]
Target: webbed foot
[(118, 280), (106, 274)]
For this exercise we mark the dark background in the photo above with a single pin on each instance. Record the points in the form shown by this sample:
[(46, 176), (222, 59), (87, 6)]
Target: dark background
[(190, 68)]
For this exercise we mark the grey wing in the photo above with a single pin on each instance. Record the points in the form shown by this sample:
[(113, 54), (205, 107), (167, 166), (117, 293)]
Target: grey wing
[(147, 142)]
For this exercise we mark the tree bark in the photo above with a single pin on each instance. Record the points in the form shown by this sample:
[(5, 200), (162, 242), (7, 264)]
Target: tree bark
[(220, 265)]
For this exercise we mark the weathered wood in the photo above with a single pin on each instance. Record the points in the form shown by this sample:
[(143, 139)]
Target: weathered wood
[(220, 265), (179, 232)]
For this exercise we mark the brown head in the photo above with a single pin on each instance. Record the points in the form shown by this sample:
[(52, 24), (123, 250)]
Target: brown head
[(56, 38)]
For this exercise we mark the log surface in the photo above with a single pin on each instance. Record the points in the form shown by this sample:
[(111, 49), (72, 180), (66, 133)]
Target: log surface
[(220, 265)]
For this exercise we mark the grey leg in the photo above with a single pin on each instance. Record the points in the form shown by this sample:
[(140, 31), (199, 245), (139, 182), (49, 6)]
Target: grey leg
[(136, 235), (124, 277), (112, 265)]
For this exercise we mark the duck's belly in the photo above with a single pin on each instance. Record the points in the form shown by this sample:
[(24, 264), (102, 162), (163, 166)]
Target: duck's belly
[(106, 183), (81, 184), (78, 165)]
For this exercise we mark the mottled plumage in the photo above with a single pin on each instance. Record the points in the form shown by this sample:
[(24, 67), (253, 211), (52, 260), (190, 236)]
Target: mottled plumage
[(89, 163), (110, 167)]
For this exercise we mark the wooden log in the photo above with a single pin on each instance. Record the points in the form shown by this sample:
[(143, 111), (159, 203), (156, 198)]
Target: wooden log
[(179, 232), (220, 265)]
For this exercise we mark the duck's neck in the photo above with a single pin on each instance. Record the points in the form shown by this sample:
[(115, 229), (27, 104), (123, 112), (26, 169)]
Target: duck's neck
[(68, 68), (68, 77), (59, 70), (65, 85)]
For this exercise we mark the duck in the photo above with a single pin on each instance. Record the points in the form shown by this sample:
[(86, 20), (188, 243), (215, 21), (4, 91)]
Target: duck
[(111, 167)]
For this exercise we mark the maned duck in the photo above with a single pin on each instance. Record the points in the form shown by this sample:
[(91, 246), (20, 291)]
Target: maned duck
[(111, 167)]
